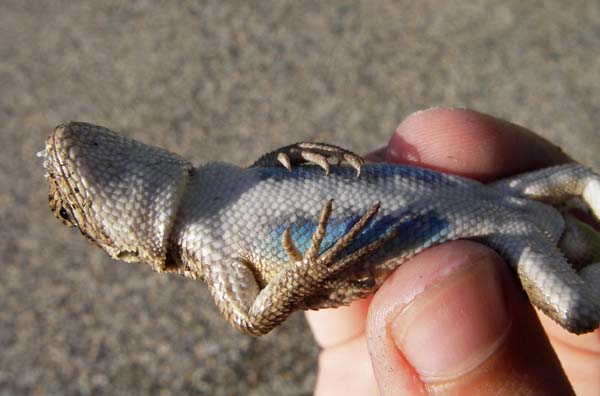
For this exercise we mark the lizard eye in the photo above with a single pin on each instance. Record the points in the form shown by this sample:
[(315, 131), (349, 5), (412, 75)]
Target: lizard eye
[(64, 215)]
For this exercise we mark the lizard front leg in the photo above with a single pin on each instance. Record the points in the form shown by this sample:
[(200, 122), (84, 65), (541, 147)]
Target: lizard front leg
[(256, 311)]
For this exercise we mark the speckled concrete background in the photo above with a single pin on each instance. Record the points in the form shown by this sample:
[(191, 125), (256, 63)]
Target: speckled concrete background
[(230, 80)]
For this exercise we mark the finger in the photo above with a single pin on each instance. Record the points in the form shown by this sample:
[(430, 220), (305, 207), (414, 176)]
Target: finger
[(333, 327), (451, 321), (346, 370), (470, 144), (578, 354), (378, 155)]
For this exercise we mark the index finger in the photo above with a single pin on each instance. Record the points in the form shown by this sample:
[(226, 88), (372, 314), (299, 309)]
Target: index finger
[(470, 144)]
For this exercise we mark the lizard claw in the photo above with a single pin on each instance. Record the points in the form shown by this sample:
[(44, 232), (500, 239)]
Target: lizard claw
[(316, 239), (284, 160)]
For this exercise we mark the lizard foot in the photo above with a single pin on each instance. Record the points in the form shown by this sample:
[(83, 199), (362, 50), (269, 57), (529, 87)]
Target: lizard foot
[(315, 153), (320, 267)]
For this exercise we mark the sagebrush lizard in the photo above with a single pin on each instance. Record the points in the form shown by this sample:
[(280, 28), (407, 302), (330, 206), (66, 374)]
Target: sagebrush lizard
[(294, 232)]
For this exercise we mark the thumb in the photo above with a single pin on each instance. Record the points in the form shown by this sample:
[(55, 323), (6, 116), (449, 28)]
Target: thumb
[(453, 321)]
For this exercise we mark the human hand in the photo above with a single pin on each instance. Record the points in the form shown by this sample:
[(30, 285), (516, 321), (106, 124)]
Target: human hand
[(412, 336)]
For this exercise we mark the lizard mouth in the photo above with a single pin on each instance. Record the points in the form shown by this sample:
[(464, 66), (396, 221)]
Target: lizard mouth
[(59, 187)]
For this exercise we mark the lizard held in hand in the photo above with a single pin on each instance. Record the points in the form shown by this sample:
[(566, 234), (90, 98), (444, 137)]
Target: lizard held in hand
[(294, 232)]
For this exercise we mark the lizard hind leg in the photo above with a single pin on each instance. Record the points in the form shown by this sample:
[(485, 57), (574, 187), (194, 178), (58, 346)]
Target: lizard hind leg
[(555, 185), (552, 284)]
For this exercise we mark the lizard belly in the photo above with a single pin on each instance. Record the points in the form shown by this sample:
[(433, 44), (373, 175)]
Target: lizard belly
[(231, 213)]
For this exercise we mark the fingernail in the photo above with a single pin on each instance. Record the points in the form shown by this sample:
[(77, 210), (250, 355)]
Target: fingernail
[(456, 324)]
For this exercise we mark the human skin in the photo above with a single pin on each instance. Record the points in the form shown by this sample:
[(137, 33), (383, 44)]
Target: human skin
[(453, 320)]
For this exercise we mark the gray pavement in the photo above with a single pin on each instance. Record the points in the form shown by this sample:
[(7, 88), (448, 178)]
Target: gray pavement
[(230, 80)]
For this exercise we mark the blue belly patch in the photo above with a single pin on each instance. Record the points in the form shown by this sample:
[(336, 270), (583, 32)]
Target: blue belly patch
[(415, 229)]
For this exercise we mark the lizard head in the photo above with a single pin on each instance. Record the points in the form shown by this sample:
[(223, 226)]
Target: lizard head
[(121, 194)]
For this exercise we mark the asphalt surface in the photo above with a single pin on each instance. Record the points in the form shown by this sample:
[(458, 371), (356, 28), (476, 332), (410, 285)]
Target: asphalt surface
[(228, 81)]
